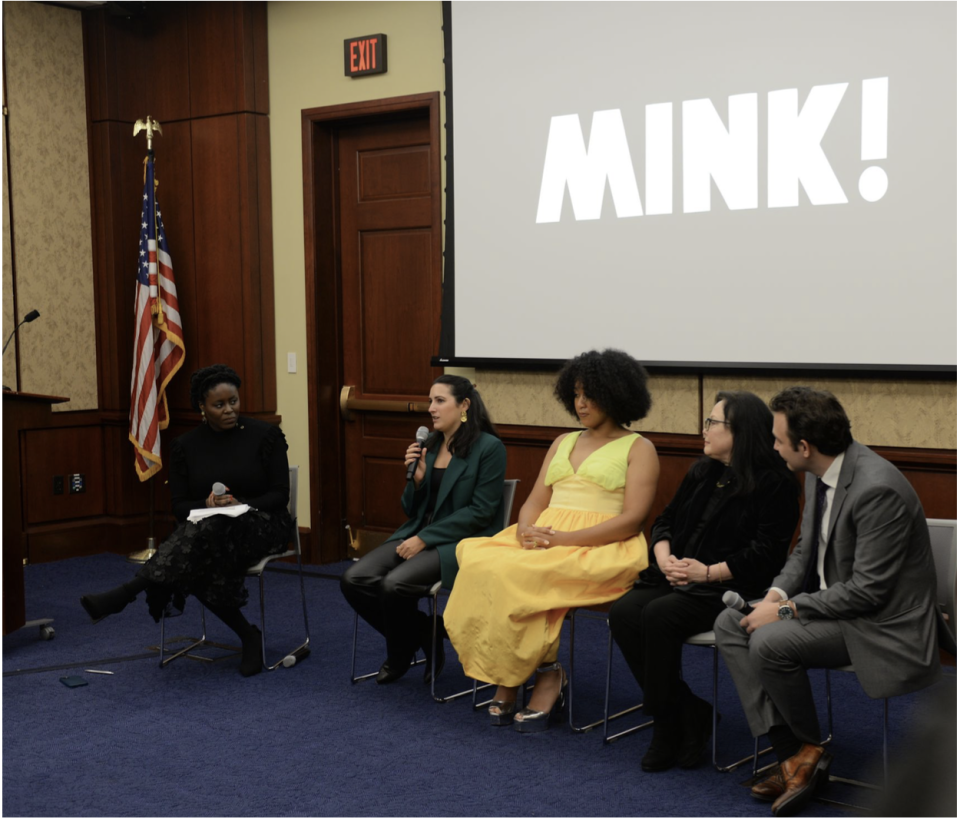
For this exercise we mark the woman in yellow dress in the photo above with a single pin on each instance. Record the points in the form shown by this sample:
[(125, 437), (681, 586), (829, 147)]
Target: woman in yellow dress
[(577, 541)]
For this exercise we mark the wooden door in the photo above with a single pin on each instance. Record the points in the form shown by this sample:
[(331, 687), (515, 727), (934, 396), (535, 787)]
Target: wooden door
[(372, 177), (389, 239)]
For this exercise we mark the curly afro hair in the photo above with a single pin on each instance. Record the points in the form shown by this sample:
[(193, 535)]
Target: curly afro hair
[(206, 378), (613, 380)]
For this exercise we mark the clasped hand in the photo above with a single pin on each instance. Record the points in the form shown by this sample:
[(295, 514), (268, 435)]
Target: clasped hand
[(541, 537), (683, 572), (221, 500)]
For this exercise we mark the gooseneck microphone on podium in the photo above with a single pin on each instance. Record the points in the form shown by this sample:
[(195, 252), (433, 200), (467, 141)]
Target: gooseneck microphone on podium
[(732, 600), (33, 315), (422, 434)]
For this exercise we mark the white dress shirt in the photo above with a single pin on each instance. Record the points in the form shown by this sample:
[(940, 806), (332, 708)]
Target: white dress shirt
[(831, 478)]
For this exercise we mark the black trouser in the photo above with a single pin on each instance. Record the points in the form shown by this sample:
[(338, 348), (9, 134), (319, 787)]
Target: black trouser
[(383, 589), (650, 625)]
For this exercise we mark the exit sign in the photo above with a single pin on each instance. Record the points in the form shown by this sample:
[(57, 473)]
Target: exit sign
[(365, 55)]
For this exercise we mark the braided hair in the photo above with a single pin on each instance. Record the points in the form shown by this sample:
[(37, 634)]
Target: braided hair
[(206, 378)]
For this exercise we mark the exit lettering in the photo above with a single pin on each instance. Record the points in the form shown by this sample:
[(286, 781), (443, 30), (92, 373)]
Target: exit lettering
[(365, 55)]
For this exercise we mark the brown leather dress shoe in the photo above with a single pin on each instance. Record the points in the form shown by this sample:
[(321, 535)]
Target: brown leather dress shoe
[(769, 789), (803, 775)]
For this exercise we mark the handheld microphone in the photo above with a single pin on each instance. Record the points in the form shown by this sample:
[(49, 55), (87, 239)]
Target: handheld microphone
[(422, 434), (33, 315), (732, 600), (219, 489)]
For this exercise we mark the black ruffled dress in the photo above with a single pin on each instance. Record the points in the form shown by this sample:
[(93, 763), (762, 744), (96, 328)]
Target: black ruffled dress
[(209, 559)]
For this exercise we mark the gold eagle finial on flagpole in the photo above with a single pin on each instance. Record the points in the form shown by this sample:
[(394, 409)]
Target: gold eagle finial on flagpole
[(149, 126)]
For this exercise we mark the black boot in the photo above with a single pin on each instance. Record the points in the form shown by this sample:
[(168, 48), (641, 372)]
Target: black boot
[(251, 660), (696, 722), (664, 747), (110, 602), (251, 643)]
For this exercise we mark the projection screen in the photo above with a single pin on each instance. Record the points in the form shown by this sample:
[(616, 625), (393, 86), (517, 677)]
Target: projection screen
[(704, 184)]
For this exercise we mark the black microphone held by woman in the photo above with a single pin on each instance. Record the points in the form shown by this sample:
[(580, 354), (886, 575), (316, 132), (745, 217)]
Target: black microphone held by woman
[(454, 490), (422, 434)]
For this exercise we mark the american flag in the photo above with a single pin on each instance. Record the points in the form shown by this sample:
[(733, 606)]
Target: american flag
[(158, 350)]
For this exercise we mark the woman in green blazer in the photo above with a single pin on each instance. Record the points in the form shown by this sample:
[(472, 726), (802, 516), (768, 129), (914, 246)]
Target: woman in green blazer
[(456, 492)]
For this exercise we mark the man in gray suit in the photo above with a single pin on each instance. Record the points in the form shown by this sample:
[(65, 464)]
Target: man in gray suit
[(860, 587)]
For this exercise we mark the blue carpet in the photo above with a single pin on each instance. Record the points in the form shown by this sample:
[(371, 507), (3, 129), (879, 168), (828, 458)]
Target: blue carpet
[(196, 739)]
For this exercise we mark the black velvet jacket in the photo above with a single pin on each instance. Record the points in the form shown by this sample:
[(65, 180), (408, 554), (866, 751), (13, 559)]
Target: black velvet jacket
[(751, 533)]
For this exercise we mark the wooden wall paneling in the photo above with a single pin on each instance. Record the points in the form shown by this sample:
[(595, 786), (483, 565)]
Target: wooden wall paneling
[(251, 67), (149, 73), (256, 14), (94, 61), (268, 339), (248, 203), (61, 452), (322, 291), (216, 81), (216, 203), (105, 206)]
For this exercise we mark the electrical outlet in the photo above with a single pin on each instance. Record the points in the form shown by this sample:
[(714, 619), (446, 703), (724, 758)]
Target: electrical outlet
[(58, 484), (77, 484)]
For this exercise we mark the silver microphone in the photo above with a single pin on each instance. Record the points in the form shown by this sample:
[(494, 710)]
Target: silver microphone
[(422, 434), (732, 600)]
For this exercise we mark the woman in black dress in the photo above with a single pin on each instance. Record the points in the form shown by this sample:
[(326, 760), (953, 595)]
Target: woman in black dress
[(209, 559), (728, 528)]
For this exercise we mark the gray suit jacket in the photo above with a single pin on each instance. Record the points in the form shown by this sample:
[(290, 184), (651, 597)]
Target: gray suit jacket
[(881, 580)]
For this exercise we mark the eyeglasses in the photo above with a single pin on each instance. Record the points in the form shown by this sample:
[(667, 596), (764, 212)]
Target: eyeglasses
[(709, 422)]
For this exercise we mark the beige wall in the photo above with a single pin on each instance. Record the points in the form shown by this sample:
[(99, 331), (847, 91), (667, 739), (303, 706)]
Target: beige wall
[(306, 71), (49, 181)]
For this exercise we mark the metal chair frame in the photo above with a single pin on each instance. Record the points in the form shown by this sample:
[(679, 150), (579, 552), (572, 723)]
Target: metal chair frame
[(509, 492), (598, 613), (291, 657)]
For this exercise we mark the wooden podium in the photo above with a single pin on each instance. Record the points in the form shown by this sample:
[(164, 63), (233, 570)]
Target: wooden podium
[(21, 410)]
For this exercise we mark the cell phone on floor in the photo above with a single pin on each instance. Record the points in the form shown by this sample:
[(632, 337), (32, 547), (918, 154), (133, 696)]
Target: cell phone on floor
[(73, 682)]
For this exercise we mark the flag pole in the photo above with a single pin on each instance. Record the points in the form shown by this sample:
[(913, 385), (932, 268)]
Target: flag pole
[(143, 555)]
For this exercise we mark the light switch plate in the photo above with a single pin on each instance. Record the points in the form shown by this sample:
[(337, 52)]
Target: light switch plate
[(291, 362)]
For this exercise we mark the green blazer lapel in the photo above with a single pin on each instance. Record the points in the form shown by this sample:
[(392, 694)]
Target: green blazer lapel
[(453, 472)]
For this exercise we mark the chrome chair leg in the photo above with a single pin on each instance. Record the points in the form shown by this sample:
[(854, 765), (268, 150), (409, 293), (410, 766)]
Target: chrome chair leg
[(607, 716), (202, 641)]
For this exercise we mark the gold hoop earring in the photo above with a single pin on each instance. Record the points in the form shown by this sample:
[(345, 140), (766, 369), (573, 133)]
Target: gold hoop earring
[(463, 416)]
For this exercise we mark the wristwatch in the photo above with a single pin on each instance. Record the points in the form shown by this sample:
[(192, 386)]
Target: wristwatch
[(785, 612)]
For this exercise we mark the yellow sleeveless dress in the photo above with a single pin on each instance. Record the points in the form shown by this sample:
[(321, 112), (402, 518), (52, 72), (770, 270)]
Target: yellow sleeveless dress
[(508, 603)]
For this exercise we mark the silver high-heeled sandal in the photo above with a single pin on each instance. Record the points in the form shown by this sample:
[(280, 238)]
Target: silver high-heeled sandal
[(529, 721), (506, 710)]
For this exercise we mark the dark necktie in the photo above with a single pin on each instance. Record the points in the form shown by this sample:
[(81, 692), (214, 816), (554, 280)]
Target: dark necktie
[(812, 582)]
